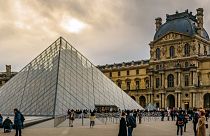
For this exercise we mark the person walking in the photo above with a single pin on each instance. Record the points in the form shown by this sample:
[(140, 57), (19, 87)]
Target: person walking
[(123, 128), (17, 122), (92, 119), (201, 131), (180, 123), (195, 120), (131, 122)]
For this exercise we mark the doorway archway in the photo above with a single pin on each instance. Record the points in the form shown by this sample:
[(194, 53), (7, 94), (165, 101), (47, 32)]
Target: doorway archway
[(142, 101), (133, 98), (206, 98), (170, 101)]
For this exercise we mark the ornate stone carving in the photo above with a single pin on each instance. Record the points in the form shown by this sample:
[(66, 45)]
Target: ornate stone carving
[(164, 51), (179, 49)]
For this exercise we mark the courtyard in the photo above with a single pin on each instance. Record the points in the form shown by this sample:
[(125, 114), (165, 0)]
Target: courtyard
[(151, 127)]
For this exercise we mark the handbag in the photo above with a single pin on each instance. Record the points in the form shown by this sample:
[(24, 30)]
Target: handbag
[(207, 125)]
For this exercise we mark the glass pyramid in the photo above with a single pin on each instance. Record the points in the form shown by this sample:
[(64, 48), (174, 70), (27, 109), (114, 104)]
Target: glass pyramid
[(60, 78)]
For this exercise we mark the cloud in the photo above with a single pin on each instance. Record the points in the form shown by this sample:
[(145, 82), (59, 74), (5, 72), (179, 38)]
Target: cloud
[(118, 31)]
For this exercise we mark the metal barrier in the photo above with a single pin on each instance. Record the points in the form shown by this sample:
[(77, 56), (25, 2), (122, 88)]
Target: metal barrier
[(59, 119)]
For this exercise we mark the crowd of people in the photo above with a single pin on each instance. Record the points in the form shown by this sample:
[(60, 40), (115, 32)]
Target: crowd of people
[(128, 119), (17, 124)]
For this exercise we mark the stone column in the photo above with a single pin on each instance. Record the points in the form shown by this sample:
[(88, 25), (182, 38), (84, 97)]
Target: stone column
[(176, 100), (194, 99), (163, 101), (179, 82), (179, 100), (195, 78), (191, 100), (152, 98)]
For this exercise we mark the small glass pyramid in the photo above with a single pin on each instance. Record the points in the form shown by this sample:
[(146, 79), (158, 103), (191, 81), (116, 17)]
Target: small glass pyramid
[(60, 78)]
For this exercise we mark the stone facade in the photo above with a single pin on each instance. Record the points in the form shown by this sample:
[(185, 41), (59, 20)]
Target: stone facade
[(178, 71), (6, 76)]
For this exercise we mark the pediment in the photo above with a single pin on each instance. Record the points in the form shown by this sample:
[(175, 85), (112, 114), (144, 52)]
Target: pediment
[(171, 36)]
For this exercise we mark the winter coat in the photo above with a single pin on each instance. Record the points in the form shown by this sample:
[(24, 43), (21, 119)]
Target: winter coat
[(92, 118), (201, 130), (7, 123), (180, 120), (123, 128), (17, 119)]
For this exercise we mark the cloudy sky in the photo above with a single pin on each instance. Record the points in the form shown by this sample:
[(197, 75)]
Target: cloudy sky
[(105, 31)]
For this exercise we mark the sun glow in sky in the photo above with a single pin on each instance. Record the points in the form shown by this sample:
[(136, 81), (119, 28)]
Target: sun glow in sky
[(73, 25)]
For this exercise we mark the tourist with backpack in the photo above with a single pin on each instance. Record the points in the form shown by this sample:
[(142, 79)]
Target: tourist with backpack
[(180, 123), (131, 122)]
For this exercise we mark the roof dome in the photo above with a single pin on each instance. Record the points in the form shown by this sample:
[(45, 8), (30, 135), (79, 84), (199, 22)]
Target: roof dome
[(184, 23)]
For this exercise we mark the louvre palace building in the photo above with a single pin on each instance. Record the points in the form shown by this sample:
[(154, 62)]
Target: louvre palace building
[(177, 74)]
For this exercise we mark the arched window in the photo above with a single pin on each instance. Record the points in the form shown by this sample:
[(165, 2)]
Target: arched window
[(187, 50), (170, 80), (172, 52), (158, 53)]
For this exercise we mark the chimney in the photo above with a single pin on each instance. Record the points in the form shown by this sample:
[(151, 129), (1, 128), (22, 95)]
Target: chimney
[(199, 17), (158, 23), (8, 70)]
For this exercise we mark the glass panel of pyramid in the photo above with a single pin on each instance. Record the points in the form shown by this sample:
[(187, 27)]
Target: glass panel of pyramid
[(61, 78)]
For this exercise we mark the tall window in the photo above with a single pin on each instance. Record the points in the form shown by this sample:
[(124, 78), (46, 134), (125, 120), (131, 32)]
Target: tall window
[(128, 72), (128, 85), (186, 80), (158, 53), (205, 51), (137, 71), (170, 80), (172, 52), (187, 50), (186, 64), (119, 73), (137, 84), (157, 82)]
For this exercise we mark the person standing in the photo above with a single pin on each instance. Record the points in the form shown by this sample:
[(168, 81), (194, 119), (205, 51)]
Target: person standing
[(180, 123), (17, 122), (123, 128), (92, 119), (71, 118), (1, 121), (201, 131), (131, 122), (140, 116), (186, 118), (162, 114)]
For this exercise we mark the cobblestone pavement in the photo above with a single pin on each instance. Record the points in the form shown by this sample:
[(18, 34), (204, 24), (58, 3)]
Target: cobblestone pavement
[(147, 128)]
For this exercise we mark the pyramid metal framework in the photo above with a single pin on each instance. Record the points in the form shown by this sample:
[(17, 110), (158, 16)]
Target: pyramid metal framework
[(60, 78)]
